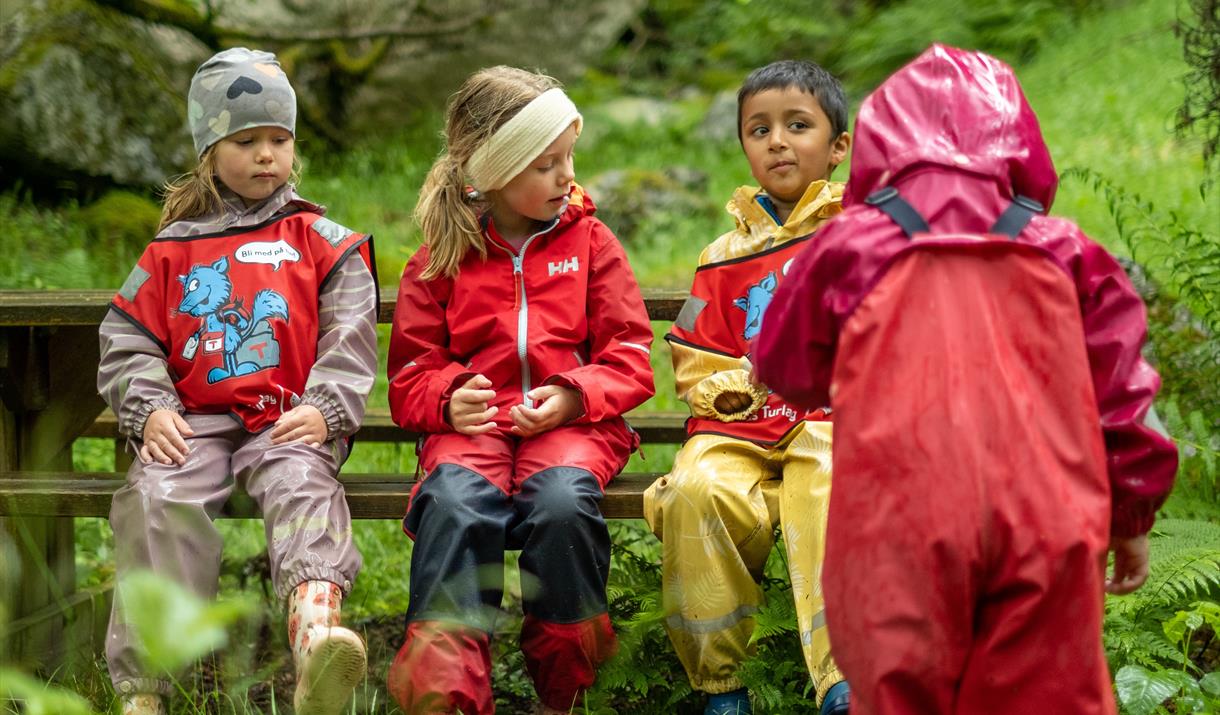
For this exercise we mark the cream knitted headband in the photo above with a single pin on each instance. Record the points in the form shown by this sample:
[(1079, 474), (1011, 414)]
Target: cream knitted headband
[(521, 139)]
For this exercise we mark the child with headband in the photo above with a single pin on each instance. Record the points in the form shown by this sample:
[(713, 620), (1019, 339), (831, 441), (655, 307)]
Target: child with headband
[(519, 340), (241, 350)]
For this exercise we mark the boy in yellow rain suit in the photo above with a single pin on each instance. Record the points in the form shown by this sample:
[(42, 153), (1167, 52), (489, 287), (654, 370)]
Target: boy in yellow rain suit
[(751, 461)]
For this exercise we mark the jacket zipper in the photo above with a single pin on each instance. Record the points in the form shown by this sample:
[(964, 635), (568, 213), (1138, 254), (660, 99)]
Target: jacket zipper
[(523, 311)]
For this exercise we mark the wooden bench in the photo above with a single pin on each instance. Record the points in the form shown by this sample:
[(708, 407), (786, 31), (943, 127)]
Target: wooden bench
[(370, 496), (48, 368)]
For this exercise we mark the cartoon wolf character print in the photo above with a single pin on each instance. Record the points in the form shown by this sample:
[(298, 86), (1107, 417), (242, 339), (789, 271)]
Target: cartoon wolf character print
[(755, 303), (244, 338)]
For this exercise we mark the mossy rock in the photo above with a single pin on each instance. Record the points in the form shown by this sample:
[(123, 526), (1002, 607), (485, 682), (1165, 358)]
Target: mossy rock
[(91, 92), (121, 220), (626, 199)]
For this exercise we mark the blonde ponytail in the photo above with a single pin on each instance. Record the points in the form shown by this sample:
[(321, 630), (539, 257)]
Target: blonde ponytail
[(448, 218)]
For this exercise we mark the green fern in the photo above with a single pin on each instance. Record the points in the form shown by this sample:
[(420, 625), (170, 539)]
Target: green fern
[(1132, 641), (1182, 289), (1164, 244), (1184, 568), (777, 617)]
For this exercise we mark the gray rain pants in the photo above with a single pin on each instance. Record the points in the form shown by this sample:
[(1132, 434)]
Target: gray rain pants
[(162, 521)]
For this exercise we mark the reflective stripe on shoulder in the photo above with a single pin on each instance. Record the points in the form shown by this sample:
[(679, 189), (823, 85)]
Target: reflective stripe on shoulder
[(689, 313)]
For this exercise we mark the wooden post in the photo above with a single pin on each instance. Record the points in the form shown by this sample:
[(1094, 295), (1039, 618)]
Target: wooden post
[(48, 388)]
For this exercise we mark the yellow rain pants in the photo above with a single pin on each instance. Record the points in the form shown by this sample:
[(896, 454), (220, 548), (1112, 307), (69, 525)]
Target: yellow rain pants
[(716, 514)]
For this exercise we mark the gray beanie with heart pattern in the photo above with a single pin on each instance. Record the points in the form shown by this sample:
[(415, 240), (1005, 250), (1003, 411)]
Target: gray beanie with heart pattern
[(237, 89)]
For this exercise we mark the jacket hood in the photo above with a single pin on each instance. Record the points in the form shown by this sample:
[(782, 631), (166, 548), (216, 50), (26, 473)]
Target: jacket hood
[(819, 202), (954, 109), (579, 206), (233, 212)]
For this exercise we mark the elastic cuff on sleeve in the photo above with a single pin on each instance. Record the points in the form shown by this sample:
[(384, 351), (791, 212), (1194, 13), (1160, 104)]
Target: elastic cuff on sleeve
[(457, 381), (133, 424), (721, 383), (314, 573), (1130, 520), (143, 686), (331, 413)]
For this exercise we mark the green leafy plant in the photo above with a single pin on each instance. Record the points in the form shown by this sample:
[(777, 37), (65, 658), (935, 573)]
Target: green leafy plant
[(1185, 256), (1142, 691), (37, 698), (175, 627), (1157, 638)]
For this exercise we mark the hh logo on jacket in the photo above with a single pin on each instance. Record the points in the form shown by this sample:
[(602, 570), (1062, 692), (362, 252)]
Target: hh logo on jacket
[(553, 267)]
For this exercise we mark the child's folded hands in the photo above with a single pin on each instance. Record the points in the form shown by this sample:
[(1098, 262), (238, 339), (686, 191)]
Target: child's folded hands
[(555, 405)]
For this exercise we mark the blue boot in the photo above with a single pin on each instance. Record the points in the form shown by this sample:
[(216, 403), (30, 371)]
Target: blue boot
[(736, 702), (837, 700)]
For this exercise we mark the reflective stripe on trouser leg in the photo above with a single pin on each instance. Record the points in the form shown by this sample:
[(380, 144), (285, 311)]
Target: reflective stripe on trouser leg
[(712, 516), (307, 520), (804, 504)]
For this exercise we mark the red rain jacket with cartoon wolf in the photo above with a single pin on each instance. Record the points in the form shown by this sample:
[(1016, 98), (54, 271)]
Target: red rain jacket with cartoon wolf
[(236, 311)]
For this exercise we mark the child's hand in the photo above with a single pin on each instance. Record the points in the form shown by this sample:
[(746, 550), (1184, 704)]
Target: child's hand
[(467, 410), (1130, 564), (727, 403), (163, 438), (303, 423), (556, 405)]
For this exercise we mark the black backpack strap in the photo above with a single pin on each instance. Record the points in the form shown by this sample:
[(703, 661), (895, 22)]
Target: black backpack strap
[(897, 208), (1016, 216)]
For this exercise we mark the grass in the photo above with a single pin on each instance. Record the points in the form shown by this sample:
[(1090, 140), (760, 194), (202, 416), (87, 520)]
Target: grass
[(1106, 96), (1105, 92)]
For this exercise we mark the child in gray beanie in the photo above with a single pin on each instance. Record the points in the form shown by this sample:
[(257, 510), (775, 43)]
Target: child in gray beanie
[(241, 349), (238, 89)]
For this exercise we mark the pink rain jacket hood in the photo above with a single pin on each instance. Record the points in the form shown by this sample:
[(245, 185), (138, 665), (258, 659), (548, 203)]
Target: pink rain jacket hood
[(958, 110)]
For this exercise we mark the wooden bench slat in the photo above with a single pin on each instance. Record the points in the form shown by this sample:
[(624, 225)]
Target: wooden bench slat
[(370, 496), (654, 427), (87, 307)]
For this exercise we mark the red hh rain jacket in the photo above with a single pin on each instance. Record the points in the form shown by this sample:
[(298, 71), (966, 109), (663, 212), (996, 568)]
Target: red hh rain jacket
[(565, 309), (958, 145)]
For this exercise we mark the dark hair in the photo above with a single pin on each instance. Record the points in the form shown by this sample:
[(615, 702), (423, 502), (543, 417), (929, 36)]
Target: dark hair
[(804, 75)]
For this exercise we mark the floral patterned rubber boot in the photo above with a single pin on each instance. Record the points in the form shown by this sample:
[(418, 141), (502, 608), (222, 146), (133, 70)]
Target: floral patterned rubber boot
[(330, 659)]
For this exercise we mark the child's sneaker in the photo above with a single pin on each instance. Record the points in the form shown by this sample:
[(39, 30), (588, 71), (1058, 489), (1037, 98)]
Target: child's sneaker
[(332, 664), (837, 700), (143, 704), (735, 702)]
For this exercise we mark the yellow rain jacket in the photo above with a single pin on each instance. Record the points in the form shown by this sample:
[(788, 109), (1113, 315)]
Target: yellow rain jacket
[(741, 473)]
